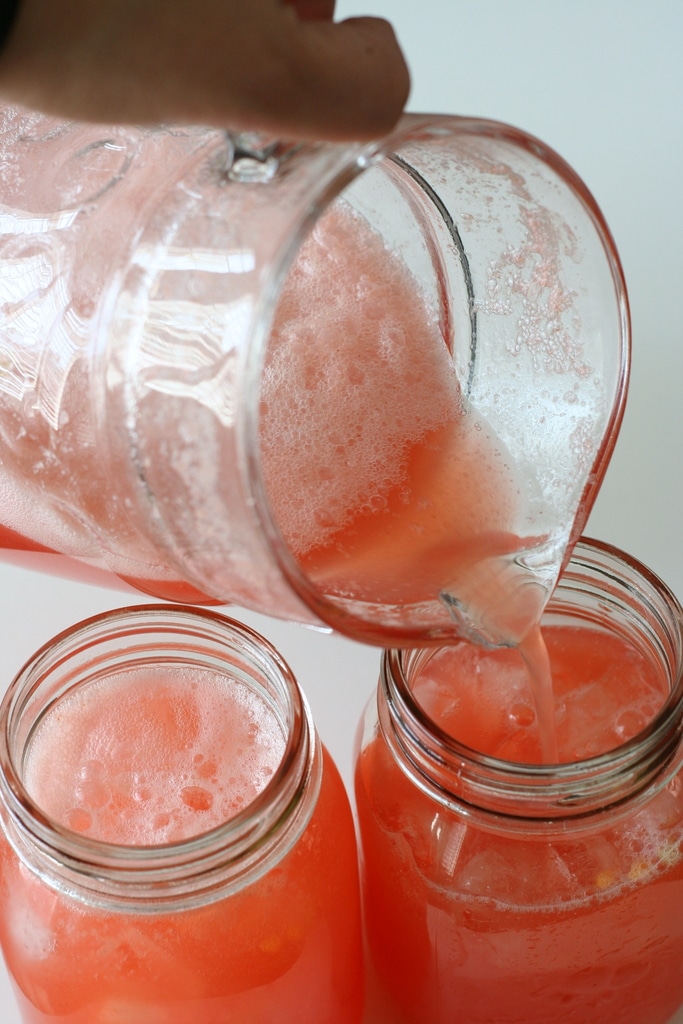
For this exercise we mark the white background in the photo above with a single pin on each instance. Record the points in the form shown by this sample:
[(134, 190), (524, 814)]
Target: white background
[(602, 82)]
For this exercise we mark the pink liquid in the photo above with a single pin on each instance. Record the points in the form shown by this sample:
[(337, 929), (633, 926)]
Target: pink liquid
[(473, 922), (145, 758), (536, 659), (153, 756), (603, 692), (403, 495)]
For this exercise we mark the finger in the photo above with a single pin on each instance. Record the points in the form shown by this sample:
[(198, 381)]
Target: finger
[(325, 80), (314, 10), (342, 80)]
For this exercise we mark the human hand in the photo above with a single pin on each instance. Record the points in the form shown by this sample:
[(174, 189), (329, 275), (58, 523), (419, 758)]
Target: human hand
[(270, 65)]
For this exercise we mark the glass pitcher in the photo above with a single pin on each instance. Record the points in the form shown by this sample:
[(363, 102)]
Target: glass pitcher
[(373, 386)]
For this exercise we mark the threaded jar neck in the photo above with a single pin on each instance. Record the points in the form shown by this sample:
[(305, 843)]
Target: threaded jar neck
[(600, 588), (191, 871)]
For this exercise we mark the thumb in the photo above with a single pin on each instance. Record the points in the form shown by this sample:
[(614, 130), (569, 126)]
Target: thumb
[(341, 80)]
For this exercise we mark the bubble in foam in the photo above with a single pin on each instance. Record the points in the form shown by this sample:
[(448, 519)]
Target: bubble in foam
[(92, 770), (153, 755), (197, 798), (356, 370), (78, 819), (92, 793)]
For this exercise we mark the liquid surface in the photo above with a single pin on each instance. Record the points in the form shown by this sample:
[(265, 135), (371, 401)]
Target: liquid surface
[(603, 691), (153, 755)]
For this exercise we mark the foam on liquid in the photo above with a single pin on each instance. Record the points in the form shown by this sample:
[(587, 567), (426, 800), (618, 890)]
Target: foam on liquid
[(603, 692), (356, 372), (387, 487), (153, 755)]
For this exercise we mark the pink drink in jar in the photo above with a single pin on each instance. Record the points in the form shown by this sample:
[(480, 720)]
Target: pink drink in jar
[(498, 887), (177, 847)]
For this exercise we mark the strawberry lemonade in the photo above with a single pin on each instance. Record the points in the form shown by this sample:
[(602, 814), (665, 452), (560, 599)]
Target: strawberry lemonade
[(207, 858), (499, 888)]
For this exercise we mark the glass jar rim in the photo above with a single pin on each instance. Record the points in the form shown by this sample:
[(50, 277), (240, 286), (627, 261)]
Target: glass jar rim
[(205, 866), (538, 796)]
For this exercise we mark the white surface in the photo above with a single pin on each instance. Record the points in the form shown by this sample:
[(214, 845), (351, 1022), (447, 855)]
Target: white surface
[(602, 82)]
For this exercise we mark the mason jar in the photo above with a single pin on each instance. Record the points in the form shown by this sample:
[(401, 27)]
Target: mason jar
[(497, 886), (345, 384), (177, 846)]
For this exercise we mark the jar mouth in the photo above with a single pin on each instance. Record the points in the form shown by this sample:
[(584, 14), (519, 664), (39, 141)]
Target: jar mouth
[(600, 586), (206, 865)]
